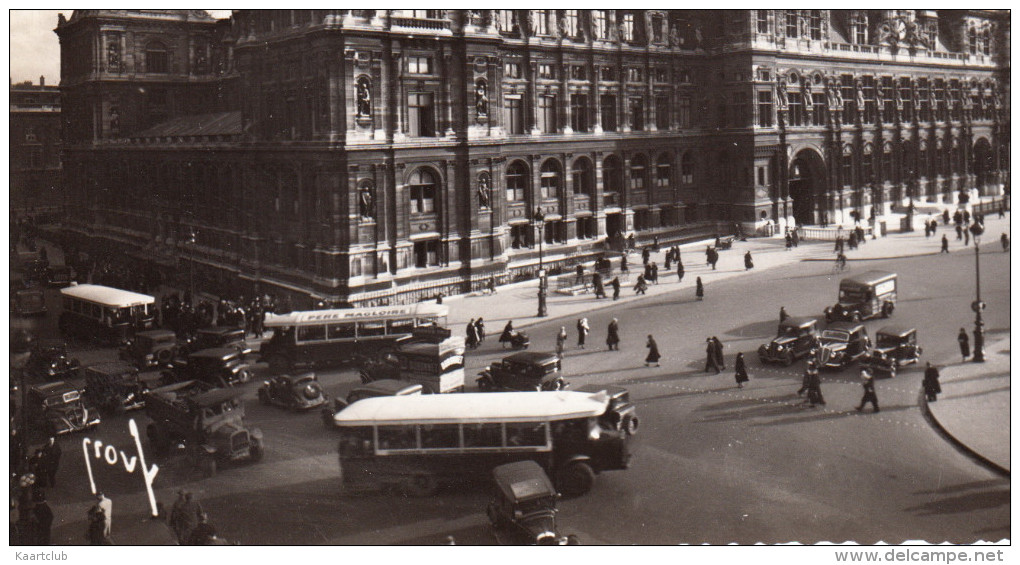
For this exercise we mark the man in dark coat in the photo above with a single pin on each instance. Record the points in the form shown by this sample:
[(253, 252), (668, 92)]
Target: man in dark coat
[(615, 283), (814, 387), (711, 358), (748, 261), (654, 271), (782, 314), (931, 383), (653, 352), (719, 357), (699, 289), (50, 463), (964, 343), (789, 241), (645, 255), (945, 244), (741, 371), (868, 383), (596, 281), (43, 518), (714, 257), (680, 271), (185, 517), (959, 232), (795, 237), (613, 335), (945, 217)]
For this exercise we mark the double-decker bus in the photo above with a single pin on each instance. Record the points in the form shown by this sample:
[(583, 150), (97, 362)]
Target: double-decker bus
[(417, 442), (318, 338), (105, 313)]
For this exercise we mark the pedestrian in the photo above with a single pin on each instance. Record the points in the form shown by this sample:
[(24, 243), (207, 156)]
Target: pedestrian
[(711, 358), (1004, 239), (43, 518), (789, 241), (561, 340), (927, 229), (471, 335), (107, 505), (641, 286), (96, 526), (966, 237), (600, 289), (185, 517), (964, 343), (653, 352), (714, 258), (934, 226), (805, 382), (748, 261), (814, 388), (959, 232), (945, 244), (623, 264), (932, 388), (492, 284), (508, 334), (708, 254), (50, 463), (852, 240), (579, 276), (868, 383), (957, 217), (615, 283), (966, 217), (699, 289), (631, 242), (654, 272), (582, 331), (741, 370), (613, 335), (719, 357), (669, 260), (645, 255), (679, 271), (782, 314), (795, 237), (480, 329), (945, 217)]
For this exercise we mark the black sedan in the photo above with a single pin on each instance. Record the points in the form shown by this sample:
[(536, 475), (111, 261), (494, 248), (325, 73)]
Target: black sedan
[(302, 392)]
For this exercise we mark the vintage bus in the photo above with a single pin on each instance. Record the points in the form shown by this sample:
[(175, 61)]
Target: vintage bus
[(417, 442), (103, 313), (321, 338)]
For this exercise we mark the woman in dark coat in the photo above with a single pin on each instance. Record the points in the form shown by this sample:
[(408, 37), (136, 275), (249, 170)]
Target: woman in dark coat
[(741, 371), (720, 359), (748, 262), (508, 333), (613, 336), (680, 271), (931, 383), (653, 352), (964, 343), (699, 289), (642, 286), (711, 359)]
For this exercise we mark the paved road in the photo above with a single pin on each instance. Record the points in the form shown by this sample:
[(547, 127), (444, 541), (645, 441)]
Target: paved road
[(714, 464)]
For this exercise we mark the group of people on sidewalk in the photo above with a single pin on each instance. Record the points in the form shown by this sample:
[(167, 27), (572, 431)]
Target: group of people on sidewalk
[(28, 491)]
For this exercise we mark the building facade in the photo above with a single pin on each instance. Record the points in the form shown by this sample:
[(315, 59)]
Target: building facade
[(377, 156), (35, 148)]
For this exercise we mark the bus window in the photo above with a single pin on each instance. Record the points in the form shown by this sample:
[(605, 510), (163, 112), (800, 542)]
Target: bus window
[(403, 326), (440, 436), (396, 437), (525, 434), (340, 331), (369, 329), (483, 435), (426, 322), (96, 311), (311, 333)]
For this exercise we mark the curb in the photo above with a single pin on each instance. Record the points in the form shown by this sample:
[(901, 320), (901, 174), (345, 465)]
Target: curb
[(849, 260), (960, 446)]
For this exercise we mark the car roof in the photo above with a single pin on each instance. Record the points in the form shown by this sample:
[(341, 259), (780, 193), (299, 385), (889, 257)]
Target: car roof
[(845, 326), (523, 480), (214, 353), (217, 396), (869, 277), (898, 331), (532, 357), (798, 322), (611, 390), (388, 386), (56, 387), (156, 333), (112, 367), (218, 330)]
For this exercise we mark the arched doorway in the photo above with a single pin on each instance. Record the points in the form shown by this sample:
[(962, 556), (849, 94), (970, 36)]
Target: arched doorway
[(807, 187)]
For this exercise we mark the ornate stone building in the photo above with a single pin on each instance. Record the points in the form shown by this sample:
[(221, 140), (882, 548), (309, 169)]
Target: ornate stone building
[(35, 147), (368, 156)]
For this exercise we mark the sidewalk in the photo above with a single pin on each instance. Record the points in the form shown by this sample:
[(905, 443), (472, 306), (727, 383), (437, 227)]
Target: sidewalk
[(974, 404)]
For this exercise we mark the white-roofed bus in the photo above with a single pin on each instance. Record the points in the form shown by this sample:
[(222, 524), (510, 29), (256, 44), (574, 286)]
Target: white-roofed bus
[(104, 313), (322, 338), (415, 443)]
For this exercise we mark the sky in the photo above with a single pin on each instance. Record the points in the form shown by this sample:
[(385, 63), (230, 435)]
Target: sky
[(35, 49)]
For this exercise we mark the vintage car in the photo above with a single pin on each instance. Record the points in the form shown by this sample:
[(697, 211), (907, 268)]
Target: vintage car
[(28, 302), (150, 348), (381, 387), (59, 276), (50, 362), (795, 339), (114, 387), (622, 414), (221, 367), (895, 346), (215, 337), (523, 507), (299, 392), (867, 295), (841, 344), (58, 408), (523, 371)]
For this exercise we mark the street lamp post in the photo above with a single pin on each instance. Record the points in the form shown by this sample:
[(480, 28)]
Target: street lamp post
[(542, 280), (192, 236), (979, 333)]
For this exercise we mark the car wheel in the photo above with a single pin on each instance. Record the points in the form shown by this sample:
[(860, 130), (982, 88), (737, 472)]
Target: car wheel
[(788, 359), (630, 424), (576, 479), (163, 356), (256, 451)]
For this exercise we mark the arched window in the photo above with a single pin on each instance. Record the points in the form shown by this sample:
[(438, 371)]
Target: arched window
[(157, 60), (663, 170), (612, 174), (516, 182), (687, 168), (867, 165), (638, 171), (422, 191), (583, 177), (847, 165), (550, 175)]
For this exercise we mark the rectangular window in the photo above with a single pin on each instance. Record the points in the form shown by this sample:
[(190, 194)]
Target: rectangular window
[(541, 19), (888, 100), (684, 76), (419, 65), (311, 333), (397, 327), (657, 24), (796, 109), (579, 112), (820, 108), (859, 28), (683, 112), (371, 328), (662, 112), (870, 104), (423, 199), (635, 75), (547, 114), (512, 70), (570, 22), (608, 112), (627, 27), (440, 436), (661, 75), (849, 102), (578, 72), (396, 437), (924, 109), (340, 331), (637, 114), (815, 24), (483, 435), (506, 20), (520, 236), (157, 62), (763, 21), (526, 434), (515, 115), (765, 109), (600, 24), (940, 100), (546, 70), (550, 184), (792, 28), (426, 254), (607, 73), (420, 115), (906, 99)]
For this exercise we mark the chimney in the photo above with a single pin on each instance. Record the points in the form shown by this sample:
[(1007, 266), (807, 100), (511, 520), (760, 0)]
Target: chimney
[(42, 80)]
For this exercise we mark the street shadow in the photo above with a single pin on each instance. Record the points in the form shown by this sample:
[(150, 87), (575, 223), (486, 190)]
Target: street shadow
[(828, 415), (751, 409), (970, 502), (756, 330), (655, 378), (989, 483), (979, 393)]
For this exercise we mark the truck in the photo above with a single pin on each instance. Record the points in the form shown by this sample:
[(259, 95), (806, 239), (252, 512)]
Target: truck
[(208, 421), (433, 360)]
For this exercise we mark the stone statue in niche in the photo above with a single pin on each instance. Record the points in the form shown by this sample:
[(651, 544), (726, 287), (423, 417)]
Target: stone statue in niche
[(784, 100), (484, 192), (113, 55), (859, 95), (366, 202), (481, 99), (114, 120), (364, 98)]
